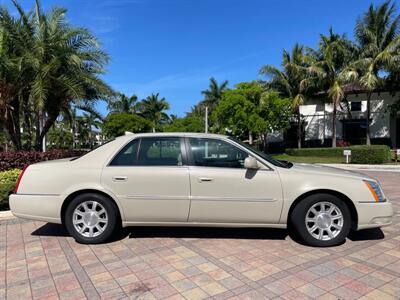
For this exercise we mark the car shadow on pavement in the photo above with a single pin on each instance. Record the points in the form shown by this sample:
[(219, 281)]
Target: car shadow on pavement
[(51, 229), (366, 235), (208, 233), (57, 230)]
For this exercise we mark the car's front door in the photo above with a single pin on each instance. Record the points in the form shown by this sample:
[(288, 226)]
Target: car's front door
[(151, 179), (223, 191)]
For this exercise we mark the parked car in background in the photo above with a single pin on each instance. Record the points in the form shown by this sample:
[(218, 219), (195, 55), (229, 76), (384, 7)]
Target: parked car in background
[(185, 179)]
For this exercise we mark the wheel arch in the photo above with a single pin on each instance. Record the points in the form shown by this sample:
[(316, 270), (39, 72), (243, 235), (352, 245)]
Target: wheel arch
[(74, 194), (341, 196)]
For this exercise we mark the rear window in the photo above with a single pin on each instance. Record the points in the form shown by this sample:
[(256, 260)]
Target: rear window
[(158, 151)]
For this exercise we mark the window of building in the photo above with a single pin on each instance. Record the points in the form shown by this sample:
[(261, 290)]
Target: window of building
[(355, 106)]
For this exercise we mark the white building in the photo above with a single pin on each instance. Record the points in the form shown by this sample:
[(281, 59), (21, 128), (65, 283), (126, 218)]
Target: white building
[(350, 124)]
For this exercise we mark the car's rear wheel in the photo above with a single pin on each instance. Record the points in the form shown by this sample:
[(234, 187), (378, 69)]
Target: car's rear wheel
[(91, 218), (321, 220)]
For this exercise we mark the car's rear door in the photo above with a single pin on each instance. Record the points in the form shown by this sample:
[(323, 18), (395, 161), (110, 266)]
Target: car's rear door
[(223, 191), (150, 177)]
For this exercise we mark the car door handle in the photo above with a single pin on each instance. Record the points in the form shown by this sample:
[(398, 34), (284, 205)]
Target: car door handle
[(205, 179), (120, 178)]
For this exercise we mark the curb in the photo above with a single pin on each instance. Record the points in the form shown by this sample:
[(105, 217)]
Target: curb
[(7, 214), (377, 168)]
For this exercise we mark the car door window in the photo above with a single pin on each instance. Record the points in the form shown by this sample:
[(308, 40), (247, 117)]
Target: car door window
[(127, 156), (216, 153), (160, 152)]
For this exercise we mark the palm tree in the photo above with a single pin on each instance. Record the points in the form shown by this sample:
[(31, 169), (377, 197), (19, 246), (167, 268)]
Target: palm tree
[(377, 35), (335, 53), (15, 43), (288, 80), (152, 108), (123, 104), (213, 94), (55, 64)]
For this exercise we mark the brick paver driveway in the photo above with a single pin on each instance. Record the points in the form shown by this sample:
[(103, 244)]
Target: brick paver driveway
[(38, 260)]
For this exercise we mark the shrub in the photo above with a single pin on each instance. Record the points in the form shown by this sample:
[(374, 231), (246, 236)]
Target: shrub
[(19, 159), (8, 179), (375, 154), (320, 152), (9, 176), (5, 191), (362, 154)]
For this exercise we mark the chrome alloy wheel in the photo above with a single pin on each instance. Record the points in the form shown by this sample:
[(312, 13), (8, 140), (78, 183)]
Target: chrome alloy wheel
[(324, 221), (90, 218)]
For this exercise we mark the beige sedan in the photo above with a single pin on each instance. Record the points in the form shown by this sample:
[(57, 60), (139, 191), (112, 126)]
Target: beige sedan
[(183, 179)]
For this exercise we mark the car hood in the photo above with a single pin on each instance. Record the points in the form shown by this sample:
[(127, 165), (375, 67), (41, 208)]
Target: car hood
[(331, 171)]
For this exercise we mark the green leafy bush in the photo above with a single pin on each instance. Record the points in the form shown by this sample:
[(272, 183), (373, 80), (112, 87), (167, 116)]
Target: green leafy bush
[(361, 154), (8, 179), (319, 152), (375, 154)]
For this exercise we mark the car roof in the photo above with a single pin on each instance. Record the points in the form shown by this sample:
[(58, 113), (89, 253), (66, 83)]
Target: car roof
[(167, 134)]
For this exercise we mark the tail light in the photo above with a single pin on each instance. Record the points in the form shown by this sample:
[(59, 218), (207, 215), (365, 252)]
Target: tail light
[(19, 179)]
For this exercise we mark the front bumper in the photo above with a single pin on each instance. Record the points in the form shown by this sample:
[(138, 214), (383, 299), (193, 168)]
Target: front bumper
[(373, 215), (37, 207)]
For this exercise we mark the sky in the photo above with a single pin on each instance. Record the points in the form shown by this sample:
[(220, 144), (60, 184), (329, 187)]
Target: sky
[(173, 47)]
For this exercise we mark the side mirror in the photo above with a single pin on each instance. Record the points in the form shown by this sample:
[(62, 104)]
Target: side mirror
[(251, 163)]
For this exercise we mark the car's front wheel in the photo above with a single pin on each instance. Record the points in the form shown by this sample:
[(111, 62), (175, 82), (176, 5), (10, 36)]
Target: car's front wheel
[(321, 220), (91, 218)]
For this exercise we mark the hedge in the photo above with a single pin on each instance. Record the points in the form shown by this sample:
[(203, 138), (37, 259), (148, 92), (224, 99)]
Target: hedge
[(361, 154), (19, 159), (8, 179)]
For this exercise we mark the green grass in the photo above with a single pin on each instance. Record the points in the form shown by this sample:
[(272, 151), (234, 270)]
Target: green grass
[(311, 159)]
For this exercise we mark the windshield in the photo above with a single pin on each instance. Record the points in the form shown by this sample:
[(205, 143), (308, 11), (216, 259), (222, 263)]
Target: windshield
[(278, 163)]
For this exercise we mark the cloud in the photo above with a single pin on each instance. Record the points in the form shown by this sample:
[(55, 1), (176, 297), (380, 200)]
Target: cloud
[(104, 24)]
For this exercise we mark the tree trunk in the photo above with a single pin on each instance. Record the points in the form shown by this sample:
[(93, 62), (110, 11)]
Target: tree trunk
[(368, 132), (334, 126), (298, 128), (28, 128), (41, 137), (265, 142), (250, 138), (14, 134)]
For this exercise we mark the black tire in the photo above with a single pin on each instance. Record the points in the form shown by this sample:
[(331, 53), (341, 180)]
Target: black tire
[(298, 220), (112, 216)]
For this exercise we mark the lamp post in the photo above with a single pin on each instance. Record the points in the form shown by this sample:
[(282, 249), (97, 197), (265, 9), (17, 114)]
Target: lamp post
[(206, 120)]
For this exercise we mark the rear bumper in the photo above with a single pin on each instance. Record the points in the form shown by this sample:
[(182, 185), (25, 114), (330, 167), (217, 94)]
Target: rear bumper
[(37, 207), (373, 215)]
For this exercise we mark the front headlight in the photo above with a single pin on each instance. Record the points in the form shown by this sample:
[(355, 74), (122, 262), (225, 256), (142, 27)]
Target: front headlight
[(375, 190)]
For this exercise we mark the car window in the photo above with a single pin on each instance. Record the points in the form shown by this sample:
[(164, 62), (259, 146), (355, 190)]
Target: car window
[(127, 156), (216, 153), (160, 152)]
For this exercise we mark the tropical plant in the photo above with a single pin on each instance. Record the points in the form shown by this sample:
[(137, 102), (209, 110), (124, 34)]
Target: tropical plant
[(116, 124), (123, 104), (153, 109), (46, 66), (377, 35), (238, 112), (213, 94), (186, 124), (276, 112), (326, 68), (60, 137), (287, 81)]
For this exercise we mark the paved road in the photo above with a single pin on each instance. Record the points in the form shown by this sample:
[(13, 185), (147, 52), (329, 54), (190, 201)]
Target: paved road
[(38, 260)]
